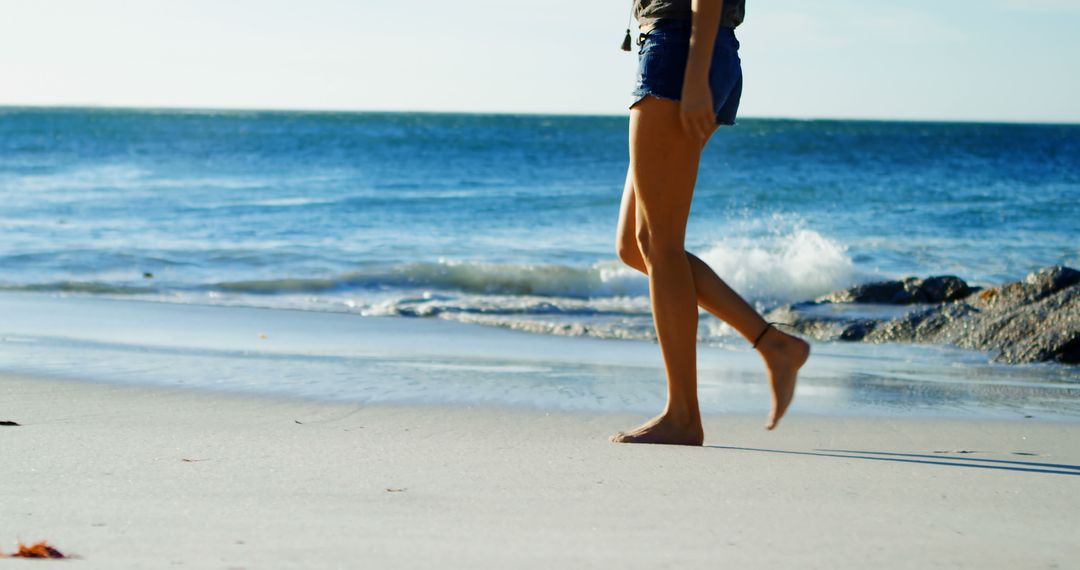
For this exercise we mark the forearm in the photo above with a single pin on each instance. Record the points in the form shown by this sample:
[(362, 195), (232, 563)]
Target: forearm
[(705, 22)]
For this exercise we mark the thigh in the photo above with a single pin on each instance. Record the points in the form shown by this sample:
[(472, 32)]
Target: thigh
[(663, 169)]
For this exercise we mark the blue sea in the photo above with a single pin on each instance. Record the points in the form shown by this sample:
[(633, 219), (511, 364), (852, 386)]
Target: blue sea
[(508, 220), (320, 255)]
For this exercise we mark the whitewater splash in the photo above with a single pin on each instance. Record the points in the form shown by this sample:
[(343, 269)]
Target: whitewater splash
[(787, 268), (610, 300), (796, 266)]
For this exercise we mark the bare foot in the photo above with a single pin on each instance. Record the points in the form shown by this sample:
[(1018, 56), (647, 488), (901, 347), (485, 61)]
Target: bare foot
[(665, 428), (784, 355)]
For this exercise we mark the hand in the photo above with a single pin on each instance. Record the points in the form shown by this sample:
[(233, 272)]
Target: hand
[(696, 110)]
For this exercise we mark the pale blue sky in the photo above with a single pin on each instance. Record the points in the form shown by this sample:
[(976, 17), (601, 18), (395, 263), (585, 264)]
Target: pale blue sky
[(1012, 60)]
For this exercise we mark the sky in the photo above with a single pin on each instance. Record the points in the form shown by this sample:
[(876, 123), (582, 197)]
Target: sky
[(983, 60)]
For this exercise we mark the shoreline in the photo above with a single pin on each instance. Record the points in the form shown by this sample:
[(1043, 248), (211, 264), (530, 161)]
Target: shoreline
[(1027, 321), (127, 477), (336, 356)]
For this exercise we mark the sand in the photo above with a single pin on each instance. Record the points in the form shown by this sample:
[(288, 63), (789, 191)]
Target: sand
[(133, 477)]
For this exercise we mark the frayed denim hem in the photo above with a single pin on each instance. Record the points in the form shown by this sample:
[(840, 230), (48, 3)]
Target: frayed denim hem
[(640, 95)]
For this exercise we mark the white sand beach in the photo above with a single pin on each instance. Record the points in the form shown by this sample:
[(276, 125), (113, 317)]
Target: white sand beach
[(136, 477), (281, 288)]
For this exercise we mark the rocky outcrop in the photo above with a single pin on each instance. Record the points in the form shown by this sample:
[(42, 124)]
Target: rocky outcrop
[(1034, 320), (911, 290)]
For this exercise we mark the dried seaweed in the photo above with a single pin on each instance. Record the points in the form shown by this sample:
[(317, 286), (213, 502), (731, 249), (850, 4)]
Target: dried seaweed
[(37, 550)]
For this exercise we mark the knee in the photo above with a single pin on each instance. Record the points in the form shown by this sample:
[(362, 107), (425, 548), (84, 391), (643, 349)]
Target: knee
[(656, 247), (628, 252)]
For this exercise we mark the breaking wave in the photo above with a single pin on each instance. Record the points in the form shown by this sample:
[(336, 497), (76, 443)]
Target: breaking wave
[(605, 299), (797, 266)]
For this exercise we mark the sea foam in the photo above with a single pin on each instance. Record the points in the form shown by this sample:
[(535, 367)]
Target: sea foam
[(791, 267), (794, 266)]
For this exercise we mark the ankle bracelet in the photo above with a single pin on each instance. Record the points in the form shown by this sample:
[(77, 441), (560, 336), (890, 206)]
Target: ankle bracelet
[(768, 325)]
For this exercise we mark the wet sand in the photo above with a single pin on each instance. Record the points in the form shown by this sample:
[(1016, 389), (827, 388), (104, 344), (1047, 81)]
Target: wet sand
[(394, 360)]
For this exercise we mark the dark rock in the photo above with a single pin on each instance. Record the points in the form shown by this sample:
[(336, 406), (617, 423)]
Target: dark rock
[(1069, 353), (1035, 286), (857, 330), (945, 288), (1053, 279), (1041, 331), (937, 289), (1033, 320), (920, 325), (883, 292)]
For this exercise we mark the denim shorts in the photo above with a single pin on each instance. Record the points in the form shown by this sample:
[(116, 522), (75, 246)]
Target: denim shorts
[(662, 62)]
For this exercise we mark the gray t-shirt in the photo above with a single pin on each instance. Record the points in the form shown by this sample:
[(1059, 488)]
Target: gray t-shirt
[(647, 12)]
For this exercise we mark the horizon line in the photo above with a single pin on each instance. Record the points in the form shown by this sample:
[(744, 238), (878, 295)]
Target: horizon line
[(228, 109)]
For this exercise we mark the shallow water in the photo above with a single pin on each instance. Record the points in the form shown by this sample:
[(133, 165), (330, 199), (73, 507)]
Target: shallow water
[(342, 357)]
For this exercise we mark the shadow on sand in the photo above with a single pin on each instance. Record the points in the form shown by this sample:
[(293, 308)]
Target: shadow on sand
[(937, 459)]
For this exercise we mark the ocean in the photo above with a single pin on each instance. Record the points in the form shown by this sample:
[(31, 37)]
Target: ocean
[(509, 222)]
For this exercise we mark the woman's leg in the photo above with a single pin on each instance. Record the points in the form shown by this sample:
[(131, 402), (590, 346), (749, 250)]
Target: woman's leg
[(783, 354), (713, 294), (663, 162)]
